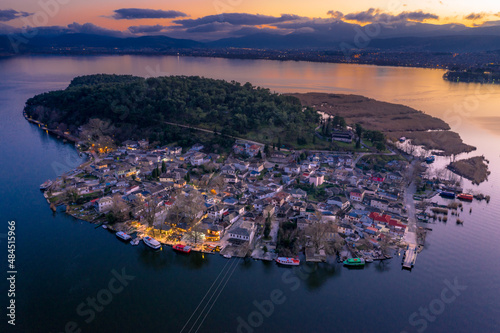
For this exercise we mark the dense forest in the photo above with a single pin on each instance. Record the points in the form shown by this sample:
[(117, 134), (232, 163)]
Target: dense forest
[(137, 108)]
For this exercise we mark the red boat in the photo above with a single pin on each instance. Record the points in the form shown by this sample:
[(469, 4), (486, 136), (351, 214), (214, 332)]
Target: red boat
[(182, 248), (288, 261), (465, 196)]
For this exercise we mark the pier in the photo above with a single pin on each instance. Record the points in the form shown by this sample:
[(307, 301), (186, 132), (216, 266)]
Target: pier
[(410, 256), (410, 236)]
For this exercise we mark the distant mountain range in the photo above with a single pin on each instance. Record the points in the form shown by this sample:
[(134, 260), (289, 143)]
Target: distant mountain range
[(337, 36)]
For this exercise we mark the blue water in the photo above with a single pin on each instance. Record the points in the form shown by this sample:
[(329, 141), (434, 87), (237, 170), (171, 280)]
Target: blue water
[(62, 262)]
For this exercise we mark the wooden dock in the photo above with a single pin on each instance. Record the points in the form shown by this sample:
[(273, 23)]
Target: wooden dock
[(410, 256)]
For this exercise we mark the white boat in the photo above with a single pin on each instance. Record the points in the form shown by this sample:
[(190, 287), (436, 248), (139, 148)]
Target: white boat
[(288, 261), (227, 256), (151, 242), (46, 185), (123, 236), (135, 241), (104, 226)]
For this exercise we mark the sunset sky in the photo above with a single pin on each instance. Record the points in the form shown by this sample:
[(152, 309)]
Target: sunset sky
[(165, 17)]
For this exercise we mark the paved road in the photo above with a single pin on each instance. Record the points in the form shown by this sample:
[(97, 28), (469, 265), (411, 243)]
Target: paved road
[(410, 236), (209, 131)]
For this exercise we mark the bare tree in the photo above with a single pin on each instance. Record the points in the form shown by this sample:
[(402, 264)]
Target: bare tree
[(120, 209), (70, 194), (189, 209), (99, 133), (320, 235), (217, 183), (151, 208)]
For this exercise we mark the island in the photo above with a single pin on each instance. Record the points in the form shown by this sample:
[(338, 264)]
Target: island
[(214, 166), (474, 169)]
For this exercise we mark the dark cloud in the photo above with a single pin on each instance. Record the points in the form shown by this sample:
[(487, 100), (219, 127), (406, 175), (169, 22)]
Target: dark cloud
[(212, 27), (145, 29), (366, 16), (316, 24), (475, 16), (254, 30), (373, 15), (335, 14), (237, 19), (7, 29), (418, 16), (11, 14), (137, 13), (90, 28), (489, 24)]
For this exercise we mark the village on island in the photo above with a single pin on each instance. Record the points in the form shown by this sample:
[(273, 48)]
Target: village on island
[(267, 203)]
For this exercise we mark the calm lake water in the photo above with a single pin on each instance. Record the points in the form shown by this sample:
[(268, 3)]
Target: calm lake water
[(63, 263)]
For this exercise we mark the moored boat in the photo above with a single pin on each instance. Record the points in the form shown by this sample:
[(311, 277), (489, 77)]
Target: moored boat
[(123, 236), (430, 159), (354, 262), (288, 261), (465, 197), (46, 185), (151, 242), (449, 195), (182, 248)]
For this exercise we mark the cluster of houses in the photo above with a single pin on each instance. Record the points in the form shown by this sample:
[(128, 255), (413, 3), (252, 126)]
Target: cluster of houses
[(362, 204)]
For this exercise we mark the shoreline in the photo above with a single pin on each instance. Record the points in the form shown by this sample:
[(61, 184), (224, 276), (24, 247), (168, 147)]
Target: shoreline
[(57, 133), (175, 54)]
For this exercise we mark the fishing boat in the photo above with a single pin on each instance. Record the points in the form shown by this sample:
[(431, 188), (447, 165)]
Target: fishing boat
[(46, 185), (354, 262), (446, 194), (465, 197), (123, 236), (288, 261), (182, 248), (151, 242), (430, 159)]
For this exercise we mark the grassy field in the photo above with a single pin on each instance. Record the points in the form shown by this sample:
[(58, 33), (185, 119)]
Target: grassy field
[(394, 120)]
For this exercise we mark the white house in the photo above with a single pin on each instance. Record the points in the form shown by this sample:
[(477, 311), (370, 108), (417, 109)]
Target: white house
[(381, 204), (245, 231), (292, 169), (256, 167), (316, 179), (341, 202), (357, 195), (104, 204)]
